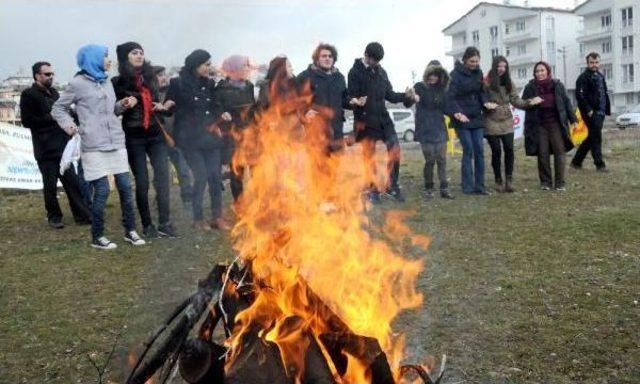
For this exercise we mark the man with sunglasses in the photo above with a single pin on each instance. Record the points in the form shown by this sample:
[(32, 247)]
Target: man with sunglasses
[(49, 141)]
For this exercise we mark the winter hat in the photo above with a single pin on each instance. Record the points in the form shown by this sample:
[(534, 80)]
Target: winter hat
[(122, 50), (195, 58), (433, 63), (158, 69), (236, 67)]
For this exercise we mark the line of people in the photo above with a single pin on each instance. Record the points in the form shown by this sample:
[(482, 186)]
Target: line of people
[(195, 121)]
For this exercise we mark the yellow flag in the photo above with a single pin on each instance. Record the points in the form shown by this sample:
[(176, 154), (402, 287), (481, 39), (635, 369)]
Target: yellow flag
[(579, 130)]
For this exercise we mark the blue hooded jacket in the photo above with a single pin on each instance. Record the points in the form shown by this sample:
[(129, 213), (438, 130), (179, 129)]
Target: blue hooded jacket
[(90, 59)]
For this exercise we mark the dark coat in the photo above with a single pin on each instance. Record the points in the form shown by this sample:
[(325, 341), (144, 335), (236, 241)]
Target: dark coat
[(132, 117), (240, 102), (565, 115), (47, 137), (373, 119), (466, 95), (587, 94), (330, 97), (430, 123), (196, 109)]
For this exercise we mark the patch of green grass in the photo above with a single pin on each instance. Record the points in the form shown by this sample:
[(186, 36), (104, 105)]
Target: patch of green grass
[(531, 287)]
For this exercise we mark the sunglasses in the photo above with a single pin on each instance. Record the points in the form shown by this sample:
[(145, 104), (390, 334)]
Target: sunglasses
[(48, 74)]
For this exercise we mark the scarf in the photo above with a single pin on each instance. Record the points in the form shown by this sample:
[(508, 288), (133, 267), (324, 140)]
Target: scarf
[(546, 90), (147, 101), (90, 59)]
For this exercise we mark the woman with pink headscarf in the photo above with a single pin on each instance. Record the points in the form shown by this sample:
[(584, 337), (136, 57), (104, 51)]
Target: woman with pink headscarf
[(236, 94)]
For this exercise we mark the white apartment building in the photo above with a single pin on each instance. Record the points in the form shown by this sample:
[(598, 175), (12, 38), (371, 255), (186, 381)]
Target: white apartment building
[(609, 28), (524, 35)]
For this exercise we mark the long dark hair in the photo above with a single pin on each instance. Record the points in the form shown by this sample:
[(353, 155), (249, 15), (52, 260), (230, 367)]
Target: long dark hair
[(277, 80), (494, 80), (128, 74)]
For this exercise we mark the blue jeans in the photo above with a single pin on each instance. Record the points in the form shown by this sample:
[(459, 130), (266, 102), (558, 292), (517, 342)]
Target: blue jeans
[(85, 186), (472, 169), (101, 193)]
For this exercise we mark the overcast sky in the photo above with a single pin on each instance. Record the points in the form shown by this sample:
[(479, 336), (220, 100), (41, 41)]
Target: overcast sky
[(409, 30)]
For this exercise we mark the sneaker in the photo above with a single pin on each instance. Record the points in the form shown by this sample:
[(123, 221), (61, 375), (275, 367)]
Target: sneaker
[(499, 187), (56, 223), (374, 197), (561, 189), (428, 194), (508, 187), (103, 243), (602, 170), (545, 188), (150, 232), (575, 166), (133, 238), (167, 230), (445, 194), (395, 193)]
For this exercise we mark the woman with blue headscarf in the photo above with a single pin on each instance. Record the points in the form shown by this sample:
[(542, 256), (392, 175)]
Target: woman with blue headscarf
[(103, 150)]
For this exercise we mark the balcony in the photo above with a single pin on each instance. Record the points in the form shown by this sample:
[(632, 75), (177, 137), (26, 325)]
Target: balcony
[(521, 59), (456, 51), (515, 36), (594, 34)]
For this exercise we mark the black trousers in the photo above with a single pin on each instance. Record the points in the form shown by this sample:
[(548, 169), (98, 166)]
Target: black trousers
[(498, 143), (50, 170), (206, 166), (390, 140), (137, 150), (592, 143)]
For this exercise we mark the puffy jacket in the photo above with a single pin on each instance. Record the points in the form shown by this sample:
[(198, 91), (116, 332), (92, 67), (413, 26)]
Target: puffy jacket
[(430, 123), (132, 117), (466, 95)]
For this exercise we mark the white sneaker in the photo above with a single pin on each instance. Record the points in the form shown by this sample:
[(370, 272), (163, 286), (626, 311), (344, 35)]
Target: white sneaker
[(133, 238), (103, 243)]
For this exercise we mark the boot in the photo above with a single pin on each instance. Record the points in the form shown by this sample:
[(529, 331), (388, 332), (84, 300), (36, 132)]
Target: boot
[(499, 187), (508, 187)]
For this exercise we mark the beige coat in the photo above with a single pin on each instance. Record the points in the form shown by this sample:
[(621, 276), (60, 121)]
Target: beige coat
[(500, 120)]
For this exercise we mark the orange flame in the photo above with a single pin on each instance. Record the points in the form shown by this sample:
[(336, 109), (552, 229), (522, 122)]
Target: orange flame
[(302, 216)]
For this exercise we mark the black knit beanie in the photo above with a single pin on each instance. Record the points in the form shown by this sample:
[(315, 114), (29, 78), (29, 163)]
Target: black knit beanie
[(122, 50)]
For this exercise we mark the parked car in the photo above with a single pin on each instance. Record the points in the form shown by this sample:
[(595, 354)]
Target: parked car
[(629, 118), (403, 119)]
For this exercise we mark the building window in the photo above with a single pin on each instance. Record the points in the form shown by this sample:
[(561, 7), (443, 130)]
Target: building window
[(494, 52), (522, 73), (550, 23), (475, 36), (507, 51), (605, 20), (522, 49), (629, 98), (627, 45), (507, 27), (493, 32), (551, 48), (582, 50), (606, 46), (627, 17), (520, 26), (607, 72), (627, 73)]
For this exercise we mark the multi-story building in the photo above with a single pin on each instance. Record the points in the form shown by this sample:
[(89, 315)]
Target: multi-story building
[(524, 35), (609, 29)]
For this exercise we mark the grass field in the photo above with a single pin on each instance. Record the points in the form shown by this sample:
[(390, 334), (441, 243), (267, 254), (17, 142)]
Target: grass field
[(531, 287)]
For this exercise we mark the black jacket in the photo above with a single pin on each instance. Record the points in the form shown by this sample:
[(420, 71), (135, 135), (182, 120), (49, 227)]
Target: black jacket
[(587, 94), (373, 119), (330, 97), (48, 138), (466, 95), (239, 102), (430, 125), (532, 118), (132, 117), (196, 109)]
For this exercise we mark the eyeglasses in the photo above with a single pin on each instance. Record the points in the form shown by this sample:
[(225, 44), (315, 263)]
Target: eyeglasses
[(48, 74)]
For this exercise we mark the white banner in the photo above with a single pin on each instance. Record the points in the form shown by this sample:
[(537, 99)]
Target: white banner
[(18, 167), (518, 123)]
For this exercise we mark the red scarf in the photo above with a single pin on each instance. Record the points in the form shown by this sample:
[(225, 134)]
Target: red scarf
[(147, 102)]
